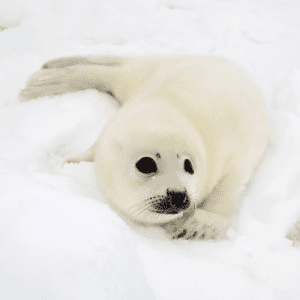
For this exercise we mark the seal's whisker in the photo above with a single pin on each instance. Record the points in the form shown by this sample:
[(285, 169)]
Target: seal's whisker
[(149, 201), (182, 151), (142, 208)]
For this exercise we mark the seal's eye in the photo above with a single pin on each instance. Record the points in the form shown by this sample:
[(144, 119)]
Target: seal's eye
[(146, 165), (188, 166)]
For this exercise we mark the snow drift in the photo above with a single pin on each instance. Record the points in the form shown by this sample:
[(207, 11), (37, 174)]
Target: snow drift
[(56, 240)]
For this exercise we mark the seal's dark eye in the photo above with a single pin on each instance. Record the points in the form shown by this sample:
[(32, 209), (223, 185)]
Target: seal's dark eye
[(146, 165), (188, 166)]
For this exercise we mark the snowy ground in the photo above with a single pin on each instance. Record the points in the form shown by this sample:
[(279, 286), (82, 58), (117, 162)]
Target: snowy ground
[(56, 240)]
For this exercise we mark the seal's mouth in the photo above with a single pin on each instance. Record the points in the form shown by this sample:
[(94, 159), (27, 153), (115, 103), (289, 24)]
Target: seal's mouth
[(162, 209), (173, 203)]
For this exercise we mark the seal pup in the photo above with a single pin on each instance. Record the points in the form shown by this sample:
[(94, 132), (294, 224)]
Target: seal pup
[(187, 138)]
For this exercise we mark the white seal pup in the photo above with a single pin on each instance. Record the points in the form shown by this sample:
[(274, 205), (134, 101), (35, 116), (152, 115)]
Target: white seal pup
[(188, 136)]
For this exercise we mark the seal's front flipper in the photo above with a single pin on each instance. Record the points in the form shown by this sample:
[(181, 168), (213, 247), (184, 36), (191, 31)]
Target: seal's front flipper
[(85, 156), (202, 225)]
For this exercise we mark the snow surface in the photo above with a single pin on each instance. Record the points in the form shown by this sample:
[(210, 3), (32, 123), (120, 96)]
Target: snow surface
[(56, 240)]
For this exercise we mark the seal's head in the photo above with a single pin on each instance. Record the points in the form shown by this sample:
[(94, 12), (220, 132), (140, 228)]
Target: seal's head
[(151, 163)]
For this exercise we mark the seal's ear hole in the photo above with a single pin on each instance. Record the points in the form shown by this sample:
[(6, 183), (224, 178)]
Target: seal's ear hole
[(188, 166), (146, 165)]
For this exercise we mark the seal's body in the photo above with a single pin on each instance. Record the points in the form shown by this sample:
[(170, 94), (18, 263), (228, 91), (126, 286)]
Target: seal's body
[(188, 136)]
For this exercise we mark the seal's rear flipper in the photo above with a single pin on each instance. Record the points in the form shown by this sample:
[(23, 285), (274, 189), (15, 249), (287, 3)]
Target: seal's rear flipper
[(85, 156), (104, 60), (56, 81)]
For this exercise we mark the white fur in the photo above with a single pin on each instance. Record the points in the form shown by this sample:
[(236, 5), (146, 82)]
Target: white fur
[(204, 109)]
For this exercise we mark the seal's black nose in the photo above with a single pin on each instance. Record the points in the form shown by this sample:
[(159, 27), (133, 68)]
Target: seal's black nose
[(178, 198), (173, 203)]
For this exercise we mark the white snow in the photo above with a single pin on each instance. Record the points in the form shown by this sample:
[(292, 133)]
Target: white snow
[(57, 241)]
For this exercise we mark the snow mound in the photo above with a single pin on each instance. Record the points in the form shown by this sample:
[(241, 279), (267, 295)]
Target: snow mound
[(58, 238)]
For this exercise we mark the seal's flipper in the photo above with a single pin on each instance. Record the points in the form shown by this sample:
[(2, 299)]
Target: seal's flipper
[(103, 60), (56, 81), (85, 156)]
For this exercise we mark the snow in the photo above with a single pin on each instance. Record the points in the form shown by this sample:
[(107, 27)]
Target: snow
[(57, 239)]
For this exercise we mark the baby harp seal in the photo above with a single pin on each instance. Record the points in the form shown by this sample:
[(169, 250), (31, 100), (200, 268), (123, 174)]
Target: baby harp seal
[(188, 136)]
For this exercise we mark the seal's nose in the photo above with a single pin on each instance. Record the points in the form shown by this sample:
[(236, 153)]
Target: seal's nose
[(177, 198), (175, 202)]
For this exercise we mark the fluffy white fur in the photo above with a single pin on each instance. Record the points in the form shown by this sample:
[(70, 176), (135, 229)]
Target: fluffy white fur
[(175, 110)]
